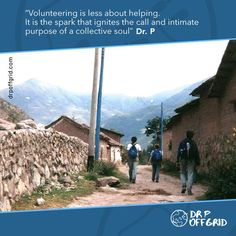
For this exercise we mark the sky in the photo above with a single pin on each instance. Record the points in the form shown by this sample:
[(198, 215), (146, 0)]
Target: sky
[(131, 70)]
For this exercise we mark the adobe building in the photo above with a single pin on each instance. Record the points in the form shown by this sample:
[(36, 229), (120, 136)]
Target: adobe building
[(211, 115), (110, 146)]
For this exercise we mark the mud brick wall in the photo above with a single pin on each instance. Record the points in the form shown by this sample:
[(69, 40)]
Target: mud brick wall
[(212, 120), (214, 150), (29, 157)]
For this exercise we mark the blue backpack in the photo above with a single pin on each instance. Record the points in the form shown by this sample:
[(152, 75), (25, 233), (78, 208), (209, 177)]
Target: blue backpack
[(156, 155), (133, 152)]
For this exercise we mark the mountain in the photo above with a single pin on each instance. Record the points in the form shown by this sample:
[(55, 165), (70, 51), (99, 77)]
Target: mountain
[(133, 124), (11, 112), (128, 115), (45, 102)]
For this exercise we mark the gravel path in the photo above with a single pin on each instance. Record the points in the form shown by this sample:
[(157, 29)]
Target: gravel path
[(144, 191)]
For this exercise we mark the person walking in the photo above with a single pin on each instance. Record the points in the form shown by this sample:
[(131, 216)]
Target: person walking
[(156, 160), (134, 150), (188, 158)]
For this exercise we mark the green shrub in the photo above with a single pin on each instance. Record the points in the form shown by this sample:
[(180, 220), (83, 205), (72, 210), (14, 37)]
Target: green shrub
[(222, 173), (143, 159), (92, 176), (222, 180), (124, 156), (105, 168), (101, 168)]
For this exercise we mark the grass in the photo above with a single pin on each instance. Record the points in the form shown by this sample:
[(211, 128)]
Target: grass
[(57, 198), (92, 176), (102, 169)]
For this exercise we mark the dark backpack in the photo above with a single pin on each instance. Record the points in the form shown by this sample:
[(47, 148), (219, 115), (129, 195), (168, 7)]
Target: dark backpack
[(156, 155), (133, 152), (186, 150)]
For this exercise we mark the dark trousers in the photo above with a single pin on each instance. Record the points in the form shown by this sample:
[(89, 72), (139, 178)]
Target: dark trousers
[(155, 171)]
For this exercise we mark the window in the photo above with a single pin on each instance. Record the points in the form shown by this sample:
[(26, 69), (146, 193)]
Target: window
[(170, 145), (234, 105)]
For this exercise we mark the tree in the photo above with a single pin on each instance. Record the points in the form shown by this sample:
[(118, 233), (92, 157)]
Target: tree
[(153, 128)]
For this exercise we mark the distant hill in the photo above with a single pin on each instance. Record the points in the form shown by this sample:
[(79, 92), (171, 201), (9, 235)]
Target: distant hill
[(45, 102), (133, 124), (128, 115), (11, 112)]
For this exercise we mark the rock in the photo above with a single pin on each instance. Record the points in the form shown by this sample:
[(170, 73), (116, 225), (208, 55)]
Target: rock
[(5, 189), (36, 178), (65, 180), (40, 127), (21, 187), (22, 126), (109, 189), (40, 201), (30, 123), (110, 181), (80, 177), (47, 172), (6, 125)]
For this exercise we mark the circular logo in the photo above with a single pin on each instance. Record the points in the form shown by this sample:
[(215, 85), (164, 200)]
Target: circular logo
[(179, 218)]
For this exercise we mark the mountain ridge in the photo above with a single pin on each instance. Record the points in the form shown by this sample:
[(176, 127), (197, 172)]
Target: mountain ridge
[(45, 103)]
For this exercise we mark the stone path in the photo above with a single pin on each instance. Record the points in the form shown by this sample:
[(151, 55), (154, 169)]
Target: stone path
[(143, 192)]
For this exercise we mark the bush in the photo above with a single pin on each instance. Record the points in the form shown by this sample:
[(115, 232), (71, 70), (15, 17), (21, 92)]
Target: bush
[(222, 180), (143, 159), (101, 168), (222, 174), (92, 176), (105, 168), (124, 156)]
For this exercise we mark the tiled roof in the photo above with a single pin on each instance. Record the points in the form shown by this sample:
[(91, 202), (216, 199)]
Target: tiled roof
[(85, 127)]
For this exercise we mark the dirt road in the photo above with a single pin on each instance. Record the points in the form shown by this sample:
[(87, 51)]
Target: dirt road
[(144, 191)]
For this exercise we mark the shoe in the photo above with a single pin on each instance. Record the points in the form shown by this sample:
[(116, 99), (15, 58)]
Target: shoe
[(157, 181), (133, 181), (190, 192), (152, 180), (183, 190)]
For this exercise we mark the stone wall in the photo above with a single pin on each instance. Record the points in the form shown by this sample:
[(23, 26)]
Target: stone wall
[(214, 150), (28, 157)]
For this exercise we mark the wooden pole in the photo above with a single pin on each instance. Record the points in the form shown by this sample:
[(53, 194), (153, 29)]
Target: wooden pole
[(92, 127)]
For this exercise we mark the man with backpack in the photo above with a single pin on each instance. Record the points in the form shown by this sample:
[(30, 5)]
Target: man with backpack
[(188, 158), (156, 159), (133, 152)]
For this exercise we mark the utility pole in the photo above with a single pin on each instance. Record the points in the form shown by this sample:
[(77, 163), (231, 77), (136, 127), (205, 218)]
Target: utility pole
[(162, 127), (99, 108), (91, 143)]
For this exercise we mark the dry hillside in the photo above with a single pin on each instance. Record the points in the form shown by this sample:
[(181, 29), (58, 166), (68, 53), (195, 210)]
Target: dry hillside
[(11, 112)]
